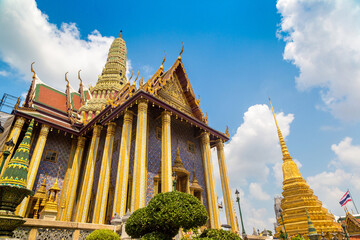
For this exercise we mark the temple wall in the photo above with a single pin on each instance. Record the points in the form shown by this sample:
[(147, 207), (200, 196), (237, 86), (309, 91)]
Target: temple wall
[(154, 153), (182, 132), (62, 145)]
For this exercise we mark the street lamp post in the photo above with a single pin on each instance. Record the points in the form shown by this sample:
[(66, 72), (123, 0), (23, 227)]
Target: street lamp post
[(282, 219), (238, 201), (8, 146)]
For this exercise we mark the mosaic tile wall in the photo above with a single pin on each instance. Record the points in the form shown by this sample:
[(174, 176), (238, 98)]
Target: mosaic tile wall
[(181, 132), (62, 144), (154, 152)]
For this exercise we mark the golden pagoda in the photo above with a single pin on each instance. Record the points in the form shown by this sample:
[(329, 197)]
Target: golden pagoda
[(298, 198)]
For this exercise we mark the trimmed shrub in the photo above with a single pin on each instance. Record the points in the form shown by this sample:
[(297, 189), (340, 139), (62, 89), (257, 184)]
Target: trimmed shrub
[(138, 224), (218, 234), (156, 236), (103, 234), (166, 213)]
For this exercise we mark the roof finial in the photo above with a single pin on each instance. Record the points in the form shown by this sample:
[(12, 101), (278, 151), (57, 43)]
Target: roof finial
[(66, 78), (132, 72), (79, 76), (32, 70), (120, 34), (137, 76), (163, 60), (284, 149), (182, 50)]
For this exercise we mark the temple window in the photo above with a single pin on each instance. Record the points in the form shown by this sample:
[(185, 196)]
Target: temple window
[(158, 133), (51, 156), (182, 175), (191, 146), (195, 189)]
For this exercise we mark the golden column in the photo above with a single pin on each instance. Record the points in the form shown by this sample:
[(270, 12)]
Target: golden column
[(229, 207), (104, 178), (62, 204), (210, 181), (166, 174), (34, 165), (138, 198), (87, 184), (122, 177), (70, 192), (14, 135)]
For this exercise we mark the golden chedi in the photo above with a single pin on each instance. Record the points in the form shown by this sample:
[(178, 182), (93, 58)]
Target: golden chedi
[(299, 197), (111, 80)]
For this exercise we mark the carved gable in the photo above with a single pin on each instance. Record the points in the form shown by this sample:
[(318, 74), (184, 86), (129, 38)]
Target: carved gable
[(352, 225), (173, 95)]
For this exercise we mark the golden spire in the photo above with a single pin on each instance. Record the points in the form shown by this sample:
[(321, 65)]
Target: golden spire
[(56, 186), (178, 162), (120, 34), (284, 149), (194, 174)]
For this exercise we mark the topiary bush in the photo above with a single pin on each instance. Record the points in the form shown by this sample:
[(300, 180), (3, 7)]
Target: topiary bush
[(138, 224), (218, 234), (155, 236), (166, 213), (103, 234)]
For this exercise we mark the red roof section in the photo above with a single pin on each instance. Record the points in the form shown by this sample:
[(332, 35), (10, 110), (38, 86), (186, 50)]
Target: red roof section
[(51, 97)]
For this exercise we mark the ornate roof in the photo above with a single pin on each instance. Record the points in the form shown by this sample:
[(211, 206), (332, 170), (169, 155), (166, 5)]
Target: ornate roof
[(16, 171), (76, 112)]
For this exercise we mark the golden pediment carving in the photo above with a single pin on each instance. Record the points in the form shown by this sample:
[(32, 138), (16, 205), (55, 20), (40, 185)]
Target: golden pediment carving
[(173, 94)]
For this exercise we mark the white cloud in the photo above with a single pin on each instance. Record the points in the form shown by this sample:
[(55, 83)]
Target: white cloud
[(27, 35), (323, 41), (4, 73), (255, 145), (330, 185), (251, 155), (257, 192), (347, 153)]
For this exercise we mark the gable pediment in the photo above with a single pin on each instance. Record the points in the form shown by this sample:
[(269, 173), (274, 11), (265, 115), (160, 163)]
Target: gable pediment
[(173, 94), (352, 225)]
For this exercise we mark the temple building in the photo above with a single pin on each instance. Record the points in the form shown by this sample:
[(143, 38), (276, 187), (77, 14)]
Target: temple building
[(112, 147), (299, 204)]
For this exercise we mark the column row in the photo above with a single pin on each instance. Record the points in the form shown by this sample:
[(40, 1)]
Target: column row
[(138, 188)]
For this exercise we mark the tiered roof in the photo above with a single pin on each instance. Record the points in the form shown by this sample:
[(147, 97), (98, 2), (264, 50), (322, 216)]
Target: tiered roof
[(112, 94)]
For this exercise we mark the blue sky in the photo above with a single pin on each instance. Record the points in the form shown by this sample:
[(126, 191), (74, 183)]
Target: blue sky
[(236, 56)]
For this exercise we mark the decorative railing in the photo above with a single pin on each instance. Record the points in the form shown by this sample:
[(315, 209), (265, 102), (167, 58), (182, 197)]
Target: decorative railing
[(40, 229)]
